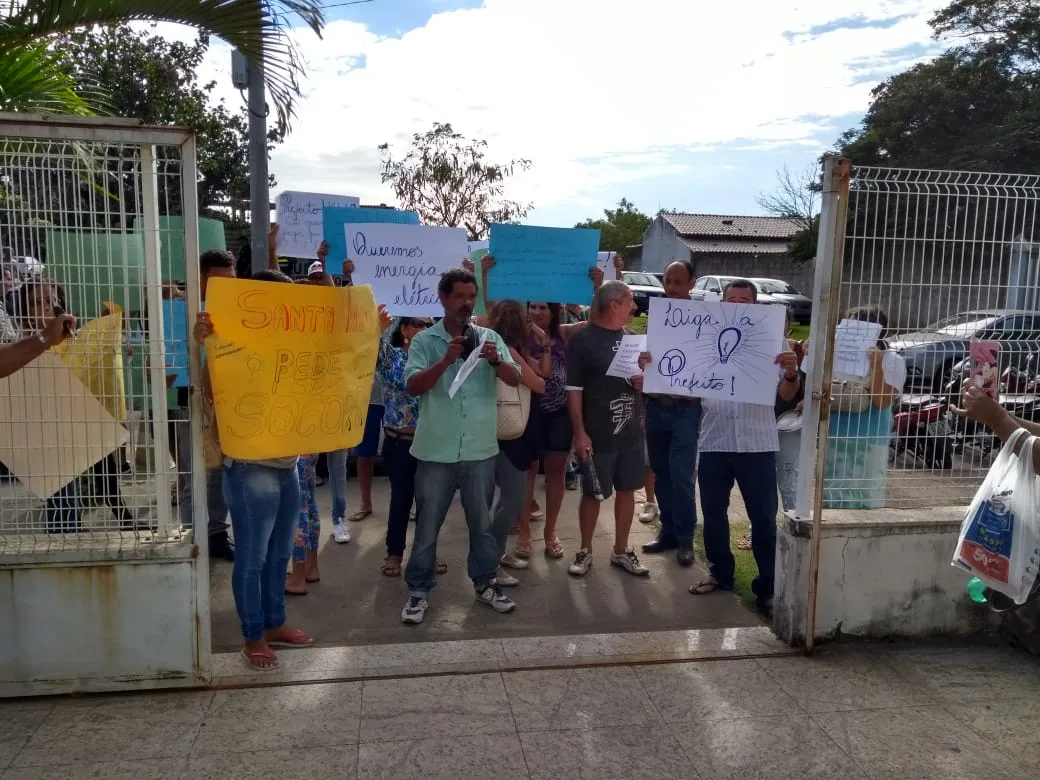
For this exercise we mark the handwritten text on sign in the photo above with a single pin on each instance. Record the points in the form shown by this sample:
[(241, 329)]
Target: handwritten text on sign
[(709, 349), (300, 220), (403, 263), (291, 366), (542, 264), (335, 219)]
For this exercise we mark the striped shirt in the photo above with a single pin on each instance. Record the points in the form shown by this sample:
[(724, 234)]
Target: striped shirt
[(737, 427)]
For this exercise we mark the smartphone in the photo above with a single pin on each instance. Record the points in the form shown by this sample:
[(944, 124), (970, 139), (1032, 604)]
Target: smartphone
[(985, 368)]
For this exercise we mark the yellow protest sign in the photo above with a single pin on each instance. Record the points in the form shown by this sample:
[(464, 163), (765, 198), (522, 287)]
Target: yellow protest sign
[(291, 366), (95, 356)]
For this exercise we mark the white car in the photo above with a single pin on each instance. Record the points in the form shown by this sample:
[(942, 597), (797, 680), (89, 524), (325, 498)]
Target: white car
[(27, 266)]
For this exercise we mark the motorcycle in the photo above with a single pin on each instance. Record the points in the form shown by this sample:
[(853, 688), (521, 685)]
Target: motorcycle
[(921, 428), (1019, 394)]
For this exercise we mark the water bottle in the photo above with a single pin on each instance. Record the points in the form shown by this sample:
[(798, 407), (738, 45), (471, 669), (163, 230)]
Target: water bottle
[(977, 590), (589, 469)]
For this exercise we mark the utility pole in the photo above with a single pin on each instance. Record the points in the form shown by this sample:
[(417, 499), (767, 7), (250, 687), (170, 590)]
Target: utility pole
[(250, 76)]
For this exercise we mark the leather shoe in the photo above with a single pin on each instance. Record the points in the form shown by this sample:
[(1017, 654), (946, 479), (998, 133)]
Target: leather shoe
[(660, 545), (685, 556)]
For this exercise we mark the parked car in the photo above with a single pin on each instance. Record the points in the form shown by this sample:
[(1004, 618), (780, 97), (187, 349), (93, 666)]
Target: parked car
[(709, 288), (644, 286), (932, 352), (782, 292), (27, 267)]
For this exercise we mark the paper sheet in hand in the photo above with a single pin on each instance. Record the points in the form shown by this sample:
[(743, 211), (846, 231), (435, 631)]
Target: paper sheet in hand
[(605, 262), (53, 427), (852, 339), (626, 360), (466, 369)]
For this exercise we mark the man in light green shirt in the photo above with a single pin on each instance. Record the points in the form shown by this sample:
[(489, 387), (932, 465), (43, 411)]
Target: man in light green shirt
[(455, 441)]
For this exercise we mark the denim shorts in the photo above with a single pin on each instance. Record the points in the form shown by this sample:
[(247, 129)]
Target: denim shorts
[(369, 446)]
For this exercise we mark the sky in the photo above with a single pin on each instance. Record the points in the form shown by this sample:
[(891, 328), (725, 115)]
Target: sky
[(676, 104)]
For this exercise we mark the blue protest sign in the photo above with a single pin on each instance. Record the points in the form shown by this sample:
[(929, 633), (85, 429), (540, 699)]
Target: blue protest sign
[(542, 263), (175, 335), (335, 218)]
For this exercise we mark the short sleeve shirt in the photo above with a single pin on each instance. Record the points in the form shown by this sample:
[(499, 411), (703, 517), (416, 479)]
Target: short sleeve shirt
[(609, 404)]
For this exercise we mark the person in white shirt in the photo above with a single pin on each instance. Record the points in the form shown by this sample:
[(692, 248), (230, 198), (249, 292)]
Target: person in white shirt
[(738, 444)]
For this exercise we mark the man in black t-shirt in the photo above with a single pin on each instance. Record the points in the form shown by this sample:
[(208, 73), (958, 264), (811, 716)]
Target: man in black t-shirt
[(608, 430)]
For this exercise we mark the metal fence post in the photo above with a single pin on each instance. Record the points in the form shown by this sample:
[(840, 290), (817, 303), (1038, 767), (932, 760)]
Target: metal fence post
[(826, 284)]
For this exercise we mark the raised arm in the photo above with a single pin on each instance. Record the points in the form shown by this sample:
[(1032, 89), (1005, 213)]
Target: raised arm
[(272, 249), (529, 376), (17, 355)]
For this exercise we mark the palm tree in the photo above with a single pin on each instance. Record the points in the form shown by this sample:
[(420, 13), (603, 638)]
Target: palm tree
[(257, 28)]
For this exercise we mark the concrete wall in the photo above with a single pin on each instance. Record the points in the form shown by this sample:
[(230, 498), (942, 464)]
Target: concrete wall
[(883, 573), (661, 245), (761, 266), (99, 626)]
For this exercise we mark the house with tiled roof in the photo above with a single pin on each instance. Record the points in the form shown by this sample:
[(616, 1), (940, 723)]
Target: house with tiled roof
[(719, 244)]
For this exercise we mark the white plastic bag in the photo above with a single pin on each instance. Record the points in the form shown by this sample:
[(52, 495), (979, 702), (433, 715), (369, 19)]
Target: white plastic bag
[(1000, 536)]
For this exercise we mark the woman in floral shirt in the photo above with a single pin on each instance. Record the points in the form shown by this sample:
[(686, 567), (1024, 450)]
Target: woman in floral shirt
[(399, 420)]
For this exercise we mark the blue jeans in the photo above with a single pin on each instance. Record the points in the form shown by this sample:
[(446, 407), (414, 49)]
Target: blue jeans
[(671, 443), (512, 490), (400, 468), (265, 507), (755, 475), (435, 487), (337, 460)]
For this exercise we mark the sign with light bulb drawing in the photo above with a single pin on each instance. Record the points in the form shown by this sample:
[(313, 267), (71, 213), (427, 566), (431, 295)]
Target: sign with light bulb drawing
[(709, 349)]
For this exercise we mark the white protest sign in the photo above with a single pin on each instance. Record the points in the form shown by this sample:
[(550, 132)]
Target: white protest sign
[(852, 339), (300, 220), (626, 360), (605, 263), (466, 369), (403, 263), (709, 349)]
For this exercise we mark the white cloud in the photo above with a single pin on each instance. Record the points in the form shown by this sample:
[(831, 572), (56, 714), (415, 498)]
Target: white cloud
[(593, 93)]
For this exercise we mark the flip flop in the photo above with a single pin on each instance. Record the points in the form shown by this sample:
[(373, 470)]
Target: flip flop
[(745, 542), (704, 587), (390, 568), (316, 579), (252, 657), (360, 515), (295, 592), (295, 639)]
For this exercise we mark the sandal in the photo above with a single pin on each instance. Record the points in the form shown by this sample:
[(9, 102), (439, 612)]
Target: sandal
[(521, 550), (294, 638), (360, 515), (744, 543), (537, 516), (260, 660), (704, 587), (553, 549), (442, 567), (391, 566)]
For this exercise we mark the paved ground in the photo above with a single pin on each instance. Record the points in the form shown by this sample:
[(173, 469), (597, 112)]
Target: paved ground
[(921, 712), (354, 604)]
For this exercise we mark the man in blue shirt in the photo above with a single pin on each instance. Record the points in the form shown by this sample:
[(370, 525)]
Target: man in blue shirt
[(455, 441)]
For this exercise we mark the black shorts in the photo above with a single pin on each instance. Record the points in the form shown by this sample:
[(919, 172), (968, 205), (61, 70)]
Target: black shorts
[(623, 471), (555, 432)]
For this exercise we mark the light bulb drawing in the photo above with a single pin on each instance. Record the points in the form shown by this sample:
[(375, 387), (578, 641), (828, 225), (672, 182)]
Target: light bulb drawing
[(729, 338)]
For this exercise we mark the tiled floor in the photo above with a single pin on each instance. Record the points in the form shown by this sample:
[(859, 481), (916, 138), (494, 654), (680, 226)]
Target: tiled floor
[(906, 711)]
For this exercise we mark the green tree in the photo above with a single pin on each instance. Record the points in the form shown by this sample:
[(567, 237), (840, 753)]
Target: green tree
[(975, 107), (257, 28), (150, 78), (447, 179), (619, 228)]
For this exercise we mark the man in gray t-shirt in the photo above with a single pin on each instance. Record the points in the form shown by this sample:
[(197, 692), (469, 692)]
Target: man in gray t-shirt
[(608, 430)]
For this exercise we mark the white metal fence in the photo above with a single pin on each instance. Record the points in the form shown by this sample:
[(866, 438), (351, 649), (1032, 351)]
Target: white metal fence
[(97, 217), (950, 259)]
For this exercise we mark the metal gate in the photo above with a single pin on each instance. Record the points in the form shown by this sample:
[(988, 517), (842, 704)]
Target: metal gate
[(947, 263), (99, 217)]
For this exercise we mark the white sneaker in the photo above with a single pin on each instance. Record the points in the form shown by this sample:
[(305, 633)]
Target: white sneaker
[(506, 580), (493, 596), (340, 534), (649, 513), (582, 563), (415, 610), (630, 563), (511, 561)]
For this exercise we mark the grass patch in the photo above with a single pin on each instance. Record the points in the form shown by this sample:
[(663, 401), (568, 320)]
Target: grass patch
[(638, 324), (744, 571)]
